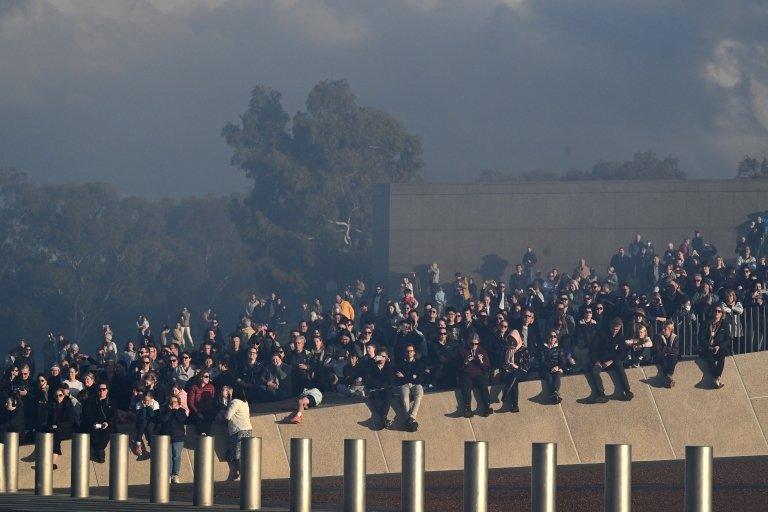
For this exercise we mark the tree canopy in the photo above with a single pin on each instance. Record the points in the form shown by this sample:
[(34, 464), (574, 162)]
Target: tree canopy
[(74, 256), (644, 165), (308, 216)]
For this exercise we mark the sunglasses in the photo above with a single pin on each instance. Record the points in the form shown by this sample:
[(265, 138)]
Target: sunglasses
[(185, 357), (174, 360), (102, 389), (59, 394), (206, 376)]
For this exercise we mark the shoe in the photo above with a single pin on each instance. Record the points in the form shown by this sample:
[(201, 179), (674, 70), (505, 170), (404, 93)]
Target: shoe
[(514, 408), (718, 384), (486, 412), (556, 399), (387, 424), (175, 479), (627, 396), (412, 426), (55, 467), (601, 399), (468, 413)]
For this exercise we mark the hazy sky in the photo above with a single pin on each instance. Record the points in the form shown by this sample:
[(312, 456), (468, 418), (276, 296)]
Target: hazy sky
[(135, 92)]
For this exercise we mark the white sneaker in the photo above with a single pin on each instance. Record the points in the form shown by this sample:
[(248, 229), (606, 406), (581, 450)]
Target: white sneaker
[(175, 479)]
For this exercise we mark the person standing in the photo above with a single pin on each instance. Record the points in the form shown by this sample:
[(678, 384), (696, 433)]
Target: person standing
[(172, 422), (529, 262), (61, 422), (184, 319), (99, 416), (238, 417), (715, 344)]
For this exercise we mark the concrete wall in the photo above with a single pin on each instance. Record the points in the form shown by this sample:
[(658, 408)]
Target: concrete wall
[(659, 422), (483, 228)]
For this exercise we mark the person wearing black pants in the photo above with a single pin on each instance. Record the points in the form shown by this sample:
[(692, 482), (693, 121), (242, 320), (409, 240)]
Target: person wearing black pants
[(667, 347), (608, 354), (62, 421), (474, 363), (517, 363), (716, 344), (99, 416), (378, 381), (553, 362)]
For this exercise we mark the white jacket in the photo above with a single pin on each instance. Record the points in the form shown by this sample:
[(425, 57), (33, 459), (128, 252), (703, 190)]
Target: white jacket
[(238, 416)]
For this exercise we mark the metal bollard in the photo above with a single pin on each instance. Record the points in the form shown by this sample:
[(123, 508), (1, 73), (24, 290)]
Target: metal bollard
[(2, 468), (203, 488), (412, 480), (544, 477), (118, 467), (43, 464), (160, 470), (81, 447), (301, 475), (475, 476), (11, 461), (698, 479), (250, 473), (354, 475), (618, 477)]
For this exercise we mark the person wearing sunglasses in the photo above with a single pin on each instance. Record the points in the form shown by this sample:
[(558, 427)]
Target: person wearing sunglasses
[(554, 361), (474, 364), (201, 400), (61, 421), (99, 415)]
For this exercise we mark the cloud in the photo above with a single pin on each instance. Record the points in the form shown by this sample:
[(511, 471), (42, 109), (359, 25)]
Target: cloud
[(741, 69), (725, 69), (135, 92)]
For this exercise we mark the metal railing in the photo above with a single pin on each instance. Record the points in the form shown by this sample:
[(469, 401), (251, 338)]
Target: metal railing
[(748, 330), (617, 486)]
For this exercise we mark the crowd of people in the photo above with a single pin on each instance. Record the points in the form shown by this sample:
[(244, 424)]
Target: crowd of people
[(390, 351)]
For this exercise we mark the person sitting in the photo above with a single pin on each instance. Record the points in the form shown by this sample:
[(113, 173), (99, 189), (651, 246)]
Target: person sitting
[(517, 363), (474, 363), (12, 416), (275, 379), (354, 373), (147, 416), (553, 362), (409, 374), (378, 382), (667, 352), (608, 354), (639, 346)]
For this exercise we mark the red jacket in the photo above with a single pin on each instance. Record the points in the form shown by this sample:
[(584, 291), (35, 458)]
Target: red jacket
[(201, 397)]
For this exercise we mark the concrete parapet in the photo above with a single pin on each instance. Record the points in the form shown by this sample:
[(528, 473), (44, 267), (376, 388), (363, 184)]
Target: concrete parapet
[(658, 423)]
